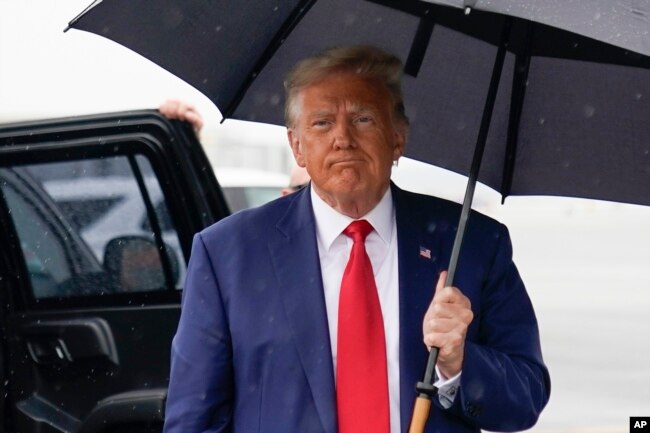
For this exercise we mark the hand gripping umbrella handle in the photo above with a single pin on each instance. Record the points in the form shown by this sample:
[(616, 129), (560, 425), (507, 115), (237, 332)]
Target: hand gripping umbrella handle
[(426, 390)]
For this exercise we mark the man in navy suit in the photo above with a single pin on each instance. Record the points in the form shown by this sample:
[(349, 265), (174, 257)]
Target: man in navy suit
[(258, 346)]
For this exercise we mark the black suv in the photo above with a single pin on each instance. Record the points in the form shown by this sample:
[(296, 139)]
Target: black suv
[(88, 315)]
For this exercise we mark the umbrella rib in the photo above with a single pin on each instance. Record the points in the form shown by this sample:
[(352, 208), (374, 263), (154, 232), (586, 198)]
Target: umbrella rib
[(422, 35), (517, 96), (292, 20), (75, 19), (419, 45)]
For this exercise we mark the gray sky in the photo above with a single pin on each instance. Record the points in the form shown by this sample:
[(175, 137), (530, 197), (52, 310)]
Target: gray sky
[(45, 72)]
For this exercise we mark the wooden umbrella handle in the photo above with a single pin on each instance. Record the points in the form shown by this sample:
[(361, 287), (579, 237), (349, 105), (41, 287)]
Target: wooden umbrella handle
[(420, 414)]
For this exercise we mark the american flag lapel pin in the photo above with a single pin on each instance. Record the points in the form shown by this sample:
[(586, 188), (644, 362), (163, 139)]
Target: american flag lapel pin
[(425, 253)]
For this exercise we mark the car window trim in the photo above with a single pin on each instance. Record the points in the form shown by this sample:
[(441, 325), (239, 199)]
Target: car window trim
[(153, 222)]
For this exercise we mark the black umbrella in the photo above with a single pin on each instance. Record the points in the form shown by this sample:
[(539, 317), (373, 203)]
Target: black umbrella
[(557, 112), (570, 111)]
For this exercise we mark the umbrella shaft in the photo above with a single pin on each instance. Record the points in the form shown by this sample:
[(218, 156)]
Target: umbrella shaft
[(478, 152)]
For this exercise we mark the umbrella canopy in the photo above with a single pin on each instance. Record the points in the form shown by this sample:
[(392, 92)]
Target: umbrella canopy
[(622, 23), (570, 114)]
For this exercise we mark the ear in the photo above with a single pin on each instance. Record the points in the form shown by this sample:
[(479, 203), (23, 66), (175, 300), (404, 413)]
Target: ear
[(296, 148), (399, 143)]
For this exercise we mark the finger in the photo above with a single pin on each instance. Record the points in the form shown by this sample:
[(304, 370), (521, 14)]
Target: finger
[(186, 111), (439, 325), (189, 106), (442, 279), (442, 325), (448, 310), (451, 295), (439, 287), (449, 337), (181, 110), (446, 343), (444, 293), (195, 119), (460, 321), (171, 110)]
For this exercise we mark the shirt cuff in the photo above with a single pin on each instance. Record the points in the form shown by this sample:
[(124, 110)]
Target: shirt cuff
[(447, 388)]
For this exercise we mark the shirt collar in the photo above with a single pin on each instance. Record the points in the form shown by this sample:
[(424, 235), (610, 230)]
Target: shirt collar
[(330, 223)]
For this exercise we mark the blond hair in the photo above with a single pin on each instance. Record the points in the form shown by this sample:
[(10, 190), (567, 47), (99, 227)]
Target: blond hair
[(369, 61)]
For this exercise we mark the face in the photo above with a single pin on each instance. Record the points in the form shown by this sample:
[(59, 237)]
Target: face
[(345, 134)]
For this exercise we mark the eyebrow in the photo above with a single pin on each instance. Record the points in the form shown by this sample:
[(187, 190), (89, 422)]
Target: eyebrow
[(355, 108), (320, 113)]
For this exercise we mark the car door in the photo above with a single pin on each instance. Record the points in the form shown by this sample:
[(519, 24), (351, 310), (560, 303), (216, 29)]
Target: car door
[(97, 216)]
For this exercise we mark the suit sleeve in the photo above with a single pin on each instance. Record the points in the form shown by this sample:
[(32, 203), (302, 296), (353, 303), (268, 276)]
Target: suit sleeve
[(201, 379), (504, 383)]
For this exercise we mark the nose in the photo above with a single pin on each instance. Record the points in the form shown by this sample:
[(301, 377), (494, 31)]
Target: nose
[(343, 137)]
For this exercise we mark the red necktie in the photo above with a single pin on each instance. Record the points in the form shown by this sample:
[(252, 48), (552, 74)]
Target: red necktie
[(361, 373)]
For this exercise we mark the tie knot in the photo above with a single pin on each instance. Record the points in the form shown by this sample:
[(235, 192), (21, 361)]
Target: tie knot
[(358, 230)]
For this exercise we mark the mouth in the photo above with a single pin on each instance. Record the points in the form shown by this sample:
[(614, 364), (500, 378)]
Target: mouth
[(346, 162)]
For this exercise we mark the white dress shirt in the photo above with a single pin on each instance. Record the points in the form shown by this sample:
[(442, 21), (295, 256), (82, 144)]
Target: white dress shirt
[(381, 245)]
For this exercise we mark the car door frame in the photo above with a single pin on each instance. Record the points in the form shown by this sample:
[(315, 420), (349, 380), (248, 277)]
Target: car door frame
[(194, 199)]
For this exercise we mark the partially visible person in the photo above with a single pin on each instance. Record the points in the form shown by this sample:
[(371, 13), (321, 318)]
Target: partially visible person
[(181, 110), (298, 179)]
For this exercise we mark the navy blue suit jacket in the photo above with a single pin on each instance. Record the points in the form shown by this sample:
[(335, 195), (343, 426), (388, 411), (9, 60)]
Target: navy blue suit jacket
[(252, 350)]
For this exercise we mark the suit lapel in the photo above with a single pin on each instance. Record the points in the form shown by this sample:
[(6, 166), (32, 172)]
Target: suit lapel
[(302, 294), (294, 253), (418, 256)]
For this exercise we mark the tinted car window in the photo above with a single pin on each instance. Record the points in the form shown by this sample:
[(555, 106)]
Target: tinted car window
[(85, 230), (82, 213), (43, 238)]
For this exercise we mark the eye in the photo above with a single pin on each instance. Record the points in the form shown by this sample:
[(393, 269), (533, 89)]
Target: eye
[(363, 120), (320, 123)]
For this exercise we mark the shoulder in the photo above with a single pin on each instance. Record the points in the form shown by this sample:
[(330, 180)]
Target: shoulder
[(263, 222), (249, 222), (430, 208)]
